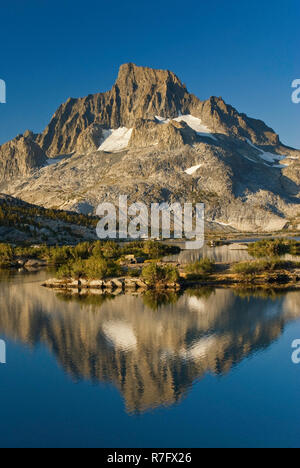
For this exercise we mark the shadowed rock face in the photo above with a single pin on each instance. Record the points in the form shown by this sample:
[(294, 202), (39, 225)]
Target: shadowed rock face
[(152, 355)]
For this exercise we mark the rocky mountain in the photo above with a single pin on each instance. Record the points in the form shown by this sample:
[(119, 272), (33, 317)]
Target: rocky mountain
[(143, 93), (149, 138), (20, 157)]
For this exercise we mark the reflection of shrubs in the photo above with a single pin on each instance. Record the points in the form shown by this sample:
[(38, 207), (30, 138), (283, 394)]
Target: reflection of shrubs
[(200, 269), (155, 274), (201, 293), (86, 299), (155, 300), (273, 294)]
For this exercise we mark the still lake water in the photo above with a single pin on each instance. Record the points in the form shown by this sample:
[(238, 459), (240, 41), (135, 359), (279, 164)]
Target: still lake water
[(211, 368)]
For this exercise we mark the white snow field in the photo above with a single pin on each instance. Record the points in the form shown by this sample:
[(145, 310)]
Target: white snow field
[(192, 170), (268, 157), (193, 122), (118, 139), (115, 140)]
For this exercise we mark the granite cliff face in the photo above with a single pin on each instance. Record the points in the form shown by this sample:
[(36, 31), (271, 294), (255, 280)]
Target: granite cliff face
[(20, 157), (143, 93), (149, 138)]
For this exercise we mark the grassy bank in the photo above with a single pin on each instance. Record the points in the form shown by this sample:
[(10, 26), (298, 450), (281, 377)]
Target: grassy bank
[(274, 247), (87, 259)]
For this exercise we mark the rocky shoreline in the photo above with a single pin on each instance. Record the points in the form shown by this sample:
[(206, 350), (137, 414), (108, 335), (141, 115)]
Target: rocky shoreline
[(122, 284), (280, 279)]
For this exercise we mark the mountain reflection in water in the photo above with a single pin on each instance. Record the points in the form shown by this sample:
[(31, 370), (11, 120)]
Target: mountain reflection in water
[(152, 348)]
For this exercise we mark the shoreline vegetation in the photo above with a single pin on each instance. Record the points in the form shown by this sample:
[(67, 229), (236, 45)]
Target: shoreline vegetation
[(140, 266)]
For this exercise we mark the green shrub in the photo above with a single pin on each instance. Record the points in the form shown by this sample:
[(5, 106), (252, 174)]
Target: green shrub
[(260, 266), (101, 268), (60, 255), (155, 274), (6, 253), (134, 272), (91, 268), (200, 269), (249, 268), (64, 271), (97, 249), (155, 299), (273, 247), (81, 251), (111, 250)]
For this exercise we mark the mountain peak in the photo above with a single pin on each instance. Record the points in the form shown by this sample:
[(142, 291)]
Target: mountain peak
[(129, 72), (144, 93)]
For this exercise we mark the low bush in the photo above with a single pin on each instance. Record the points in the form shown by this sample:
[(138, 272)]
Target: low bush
[(155, 274), (6, 254), (273, 247), (134, 272), (91, 268), (260, 266), (200, 269)]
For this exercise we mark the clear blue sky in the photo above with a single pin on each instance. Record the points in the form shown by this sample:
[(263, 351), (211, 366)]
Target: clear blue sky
[(245, 51)]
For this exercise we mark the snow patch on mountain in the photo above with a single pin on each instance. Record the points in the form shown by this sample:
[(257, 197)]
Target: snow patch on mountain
[(196, 124), (193, 122), (268, 157), (192, 170), (115, 140)]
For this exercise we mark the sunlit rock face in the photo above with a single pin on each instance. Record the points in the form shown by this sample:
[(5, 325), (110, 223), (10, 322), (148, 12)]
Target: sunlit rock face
[(151, 139), (20, 157), (153, 353), (145, 93)]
